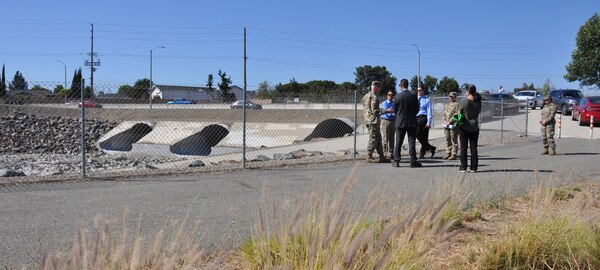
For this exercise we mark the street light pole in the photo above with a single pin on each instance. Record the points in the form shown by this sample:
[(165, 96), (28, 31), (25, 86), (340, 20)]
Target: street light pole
[(419, 74), (151, 82), (65, 77)]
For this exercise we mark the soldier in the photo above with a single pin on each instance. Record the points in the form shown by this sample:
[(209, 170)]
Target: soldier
[(450, 110), (548, 122), (371, 103)]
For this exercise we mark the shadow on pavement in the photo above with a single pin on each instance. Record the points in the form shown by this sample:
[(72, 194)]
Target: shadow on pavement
[(514, 170), (578, 154)]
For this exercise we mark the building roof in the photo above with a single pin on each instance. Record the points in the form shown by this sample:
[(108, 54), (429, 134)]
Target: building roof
[(163, 88), (181, 87)]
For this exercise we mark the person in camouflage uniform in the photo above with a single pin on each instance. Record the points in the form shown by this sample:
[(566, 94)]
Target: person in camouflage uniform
[(450, 110), (548, 122), (370, 102)]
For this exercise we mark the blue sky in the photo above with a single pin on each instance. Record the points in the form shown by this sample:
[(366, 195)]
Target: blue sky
[(488, 43)]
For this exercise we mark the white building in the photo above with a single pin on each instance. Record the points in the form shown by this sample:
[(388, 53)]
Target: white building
[(199, 94)]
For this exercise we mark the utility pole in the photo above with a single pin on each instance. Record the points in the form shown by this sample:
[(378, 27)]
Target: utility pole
[(419, 71), (91, 62), (244, 107)]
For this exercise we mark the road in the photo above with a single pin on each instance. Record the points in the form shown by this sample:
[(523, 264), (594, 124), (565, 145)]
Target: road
[(38, 217)]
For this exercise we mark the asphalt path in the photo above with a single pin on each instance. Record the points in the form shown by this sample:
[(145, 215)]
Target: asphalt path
[(43, 216)]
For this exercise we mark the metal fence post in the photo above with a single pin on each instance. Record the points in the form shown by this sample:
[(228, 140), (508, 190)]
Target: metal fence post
[(526, 116), (83, 128), (355, 125), (501, 120)]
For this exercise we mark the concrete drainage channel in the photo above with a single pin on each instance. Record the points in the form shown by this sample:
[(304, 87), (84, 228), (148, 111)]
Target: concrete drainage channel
[(168, 138)]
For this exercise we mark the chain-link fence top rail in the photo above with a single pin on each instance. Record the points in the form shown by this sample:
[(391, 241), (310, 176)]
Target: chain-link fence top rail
[(123, 132)]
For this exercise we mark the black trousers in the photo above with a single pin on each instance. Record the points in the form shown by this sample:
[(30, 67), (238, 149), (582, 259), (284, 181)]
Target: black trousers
[(423, 134), (412, 135), (469, 139)]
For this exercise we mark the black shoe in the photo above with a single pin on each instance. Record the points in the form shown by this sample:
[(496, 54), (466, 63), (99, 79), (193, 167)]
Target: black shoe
[(421, 155), (416, 164), (396, 164), (433, 148)]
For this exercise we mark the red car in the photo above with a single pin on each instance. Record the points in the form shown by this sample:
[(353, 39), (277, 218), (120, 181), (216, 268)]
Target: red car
[(587, 107), (90, 104)]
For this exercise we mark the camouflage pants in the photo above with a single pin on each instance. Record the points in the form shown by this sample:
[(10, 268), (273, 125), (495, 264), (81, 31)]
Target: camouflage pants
[(548, 136), (388, 136), (374, 140), (451, 141)]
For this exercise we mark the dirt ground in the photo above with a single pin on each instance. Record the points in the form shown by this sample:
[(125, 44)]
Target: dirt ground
[(203, 115)]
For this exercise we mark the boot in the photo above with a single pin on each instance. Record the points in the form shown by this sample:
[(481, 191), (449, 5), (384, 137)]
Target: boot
[(545, 152), (383, 159), (452, 157), (447, 156), (552, 151), (370, 158)]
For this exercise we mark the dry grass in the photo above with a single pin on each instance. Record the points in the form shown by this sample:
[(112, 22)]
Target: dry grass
[(172, 247), (542, 230), (327, 232)]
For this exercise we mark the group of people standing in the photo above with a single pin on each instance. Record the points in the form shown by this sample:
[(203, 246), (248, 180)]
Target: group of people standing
[(408, 114)]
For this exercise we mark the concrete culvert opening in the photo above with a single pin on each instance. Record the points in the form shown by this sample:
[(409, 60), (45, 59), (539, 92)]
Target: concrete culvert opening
[(124, 140), (201, 143), (332, 128)]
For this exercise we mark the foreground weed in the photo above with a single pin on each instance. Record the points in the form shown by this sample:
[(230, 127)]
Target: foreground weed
[(327, 232)]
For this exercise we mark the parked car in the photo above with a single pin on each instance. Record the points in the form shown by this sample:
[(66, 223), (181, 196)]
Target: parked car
[(180, 101), (565, 99), (530, 98), (495, 101), (90, 104), (585, 109), (249, 105)]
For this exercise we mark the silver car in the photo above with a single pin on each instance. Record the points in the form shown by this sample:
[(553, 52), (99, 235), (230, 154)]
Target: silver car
[(531, 98)]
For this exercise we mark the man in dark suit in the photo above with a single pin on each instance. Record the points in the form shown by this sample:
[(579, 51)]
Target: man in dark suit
[(406, 106)]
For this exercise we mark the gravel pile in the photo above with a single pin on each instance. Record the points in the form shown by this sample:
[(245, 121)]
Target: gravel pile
[(31, 134)]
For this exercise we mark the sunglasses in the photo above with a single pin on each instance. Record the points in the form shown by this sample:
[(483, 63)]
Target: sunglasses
[(390, 94)]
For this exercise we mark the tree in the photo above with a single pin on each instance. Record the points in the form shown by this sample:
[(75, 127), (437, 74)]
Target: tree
[(546, 87), (18, 82), (224, 87), (430, 83), (75, 91), (585, 64), (140, 89), (366, 74), (446, 86), (209, 82), (414, 84), (264, 90), (524, 87), (2, 83), (38, 87), (125, 90)]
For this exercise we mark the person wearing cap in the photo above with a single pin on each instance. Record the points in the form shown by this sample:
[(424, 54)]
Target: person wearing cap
[(548, 122), (450, 110), (388, 130), (424, 123), (370, 102)]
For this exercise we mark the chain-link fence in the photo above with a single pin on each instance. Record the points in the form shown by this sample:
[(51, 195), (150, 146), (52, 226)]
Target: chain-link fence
[(183, 127)]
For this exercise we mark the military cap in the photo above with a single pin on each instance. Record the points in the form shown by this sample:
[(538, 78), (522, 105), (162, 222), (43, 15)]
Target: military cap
[(547, 97), (452, 94), (376, 83)]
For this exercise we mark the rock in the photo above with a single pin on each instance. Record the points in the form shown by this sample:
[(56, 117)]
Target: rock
[(11, 173), (302, 153), (197, 164), (280, 156), (260, 158), (341, 153)]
